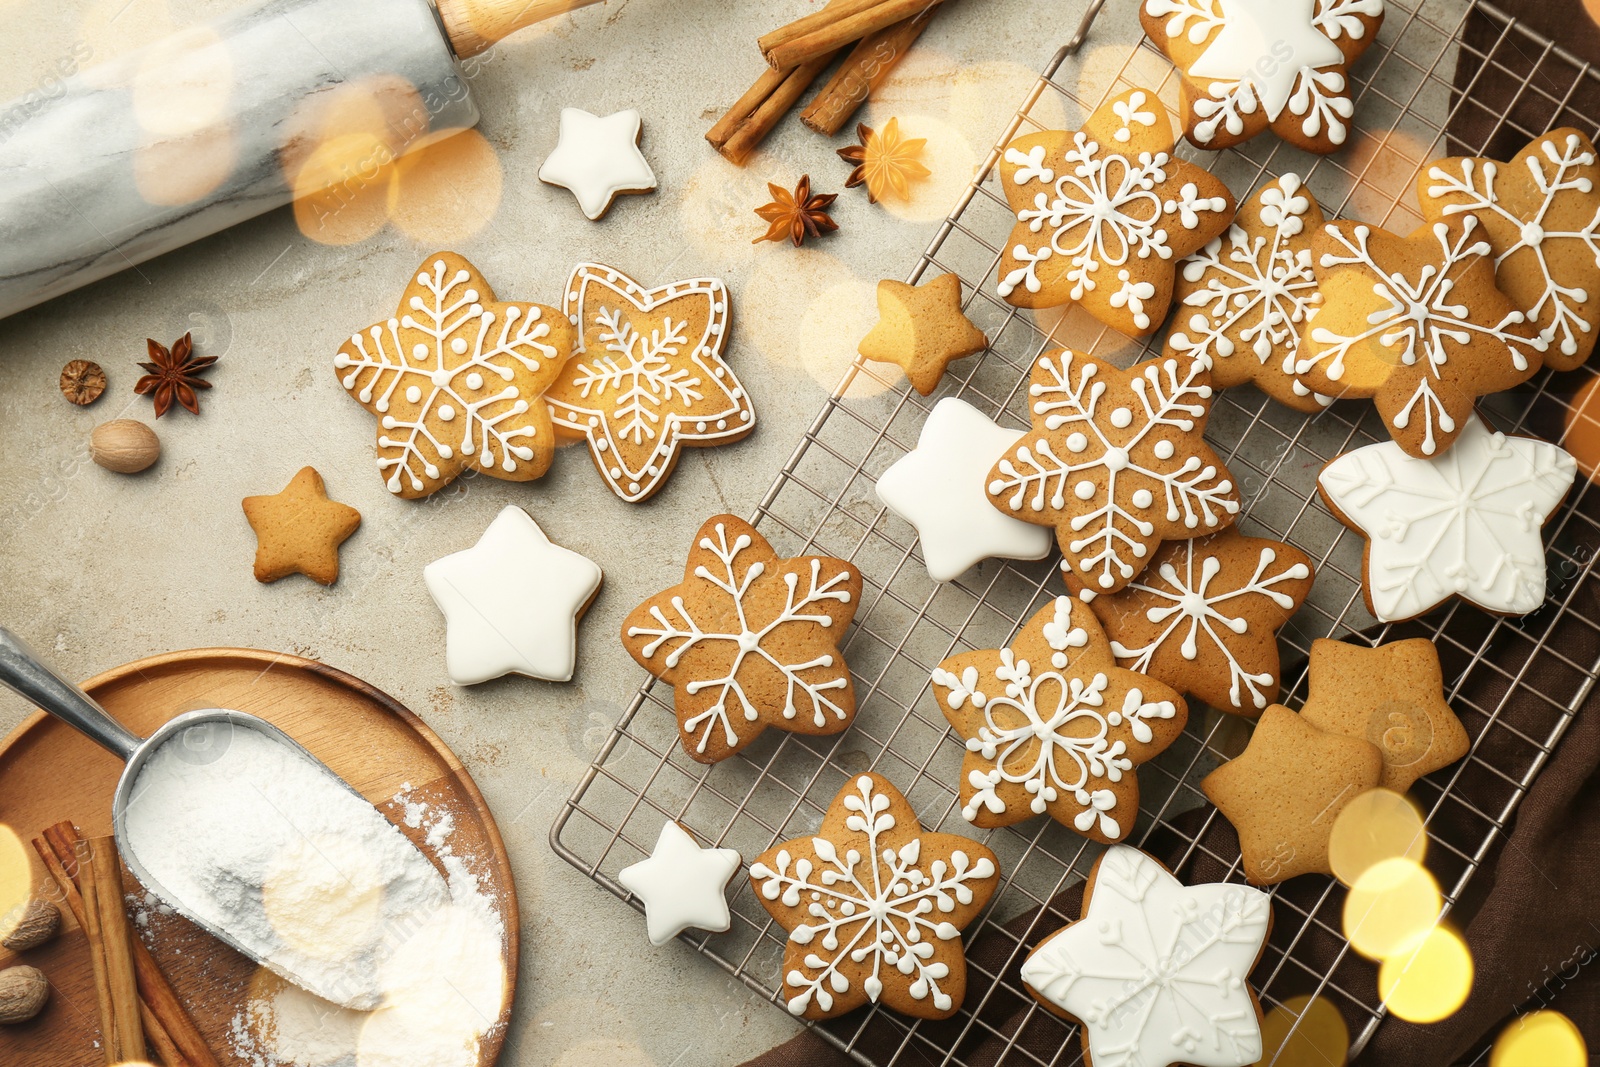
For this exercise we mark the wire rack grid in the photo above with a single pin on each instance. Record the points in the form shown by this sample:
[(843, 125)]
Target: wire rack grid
[(1407, 93)]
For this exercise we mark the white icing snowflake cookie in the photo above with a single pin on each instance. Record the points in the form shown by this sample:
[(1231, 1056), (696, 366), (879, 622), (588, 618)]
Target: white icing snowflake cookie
[(1245, 298), (456, 379), (681, 885), (938, 487), (646, 377), (1247, 65), (512, 603), (1115, 461), (1157, 972), (1053, 725), (597, 158), (1104, 214), (874, 907), (1541, 217), (1417, 324), (749, 640), (1465, 524)]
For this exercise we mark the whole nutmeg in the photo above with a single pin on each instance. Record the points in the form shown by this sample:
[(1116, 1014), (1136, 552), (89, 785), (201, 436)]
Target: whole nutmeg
[(39, 922), (126, 446), (23, 992)]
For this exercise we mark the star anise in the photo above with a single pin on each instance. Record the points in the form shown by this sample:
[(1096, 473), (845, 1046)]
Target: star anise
[(884, 161), (796, 215), (174, 374)]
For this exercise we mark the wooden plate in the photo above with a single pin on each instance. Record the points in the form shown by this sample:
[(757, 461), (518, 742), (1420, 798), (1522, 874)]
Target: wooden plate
[(50, 772)]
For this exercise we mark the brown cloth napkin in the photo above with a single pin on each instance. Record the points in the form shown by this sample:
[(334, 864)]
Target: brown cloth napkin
[(1531, 914)]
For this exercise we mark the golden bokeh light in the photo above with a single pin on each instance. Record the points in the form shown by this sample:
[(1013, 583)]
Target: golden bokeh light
[(1391, 906), (382, 109), (974, 88), (1378, 825), (950, 160), (341, 192), (445, 189), (1304, 1031), (183, 83), (1430, 980), (1540, 1039), (16, 880), (1582, 437), (172, 171), (716, 211), (324, 910), (111, 28), (805, 309)]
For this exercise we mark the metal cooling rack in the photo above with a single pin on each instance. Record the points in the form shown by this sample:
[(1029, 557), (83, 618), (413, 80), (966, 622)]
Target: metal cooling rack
[(823, 502)]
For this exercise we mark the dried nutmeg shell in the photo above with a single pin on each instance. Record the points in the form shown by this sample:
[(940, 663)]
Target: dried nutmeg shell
[(40, 921), (126, 446), (23, 992), (82, 382)]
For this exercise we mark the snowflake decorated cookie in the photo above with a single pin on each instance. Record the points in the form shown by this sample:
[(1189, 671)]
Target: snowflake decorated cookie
[(1157, 972), (874, 907), (598, 158), (1053, 726), (1245, 298), (1464, 524), (1541, 216), (1417, 324), (1105, 213), (1204, 617), (457, 380), (749, 640), (647, 377), (1248, 65), (1115, 461)]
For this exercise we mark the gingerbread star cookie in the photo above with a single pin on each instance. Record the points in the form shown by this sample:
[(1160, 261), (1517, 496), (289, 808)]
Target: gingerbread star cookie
[(647, 377), (1053, 726), (1392, 696), (456, 379), (1104, 213), (1541, 216), (749, 640), (1115, 461), (299, 530), (922, 329), (1245, 298), (1286, 789), (1417, 324), (1204, 617), (1247, 65), (874, 907), (1157, 972)]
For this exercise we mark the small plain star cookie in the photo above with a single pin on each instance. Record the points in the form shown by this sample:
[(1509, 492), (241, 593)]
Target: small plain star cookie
[(299, 530), (921, 329), (1284, 792), (1392, 696), (874, 907), (1053, 726), (597, 158), (681, 885)]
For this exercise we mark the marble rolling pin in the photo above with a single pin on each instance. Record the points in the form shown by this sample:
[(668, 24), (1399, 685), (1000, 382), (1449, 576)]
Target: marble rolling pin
[(92, 179)]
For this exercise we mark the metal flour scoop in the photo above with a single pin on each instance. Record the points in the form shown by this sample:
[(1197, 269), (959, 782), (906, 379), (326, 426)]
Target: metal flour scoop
[(393, 887)]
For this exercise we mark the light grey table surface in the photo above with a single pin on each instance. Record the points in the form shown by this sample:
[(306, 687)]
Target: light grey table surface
[(97, 569)]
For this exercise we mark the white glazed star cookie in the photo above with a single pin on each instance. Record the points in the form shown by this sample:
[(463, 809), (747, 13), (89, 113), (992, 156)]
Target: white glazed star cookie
[(1104, 213), (597, 158), (682, 885)]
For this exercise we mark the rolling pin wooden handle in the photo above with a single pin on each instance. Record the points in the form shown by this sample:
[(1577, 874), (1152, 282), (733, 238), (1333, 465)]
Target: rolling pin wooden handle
[(475, 25)]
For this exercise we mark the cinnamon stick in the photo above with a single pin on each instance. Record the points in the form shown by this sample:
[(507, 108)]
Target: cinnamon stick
[(116, 943), (815, 21), (866, 68), (838, 31), (88, 889), (160, 1041), (56, 849)]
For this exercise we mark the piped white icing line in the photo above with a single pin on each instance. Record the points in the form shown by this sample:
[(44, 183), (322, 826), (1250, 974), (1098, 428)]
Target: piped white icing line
[(1419, 320), (1267, 286), (511, 603), (1193, 611), (597, 158), (1466, 523), (681, 885), (938, 488), (1157, 971), (1066, 713), (1171, 394), (1476, 190), (1269, 55), (672, 389), (879, 906)]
